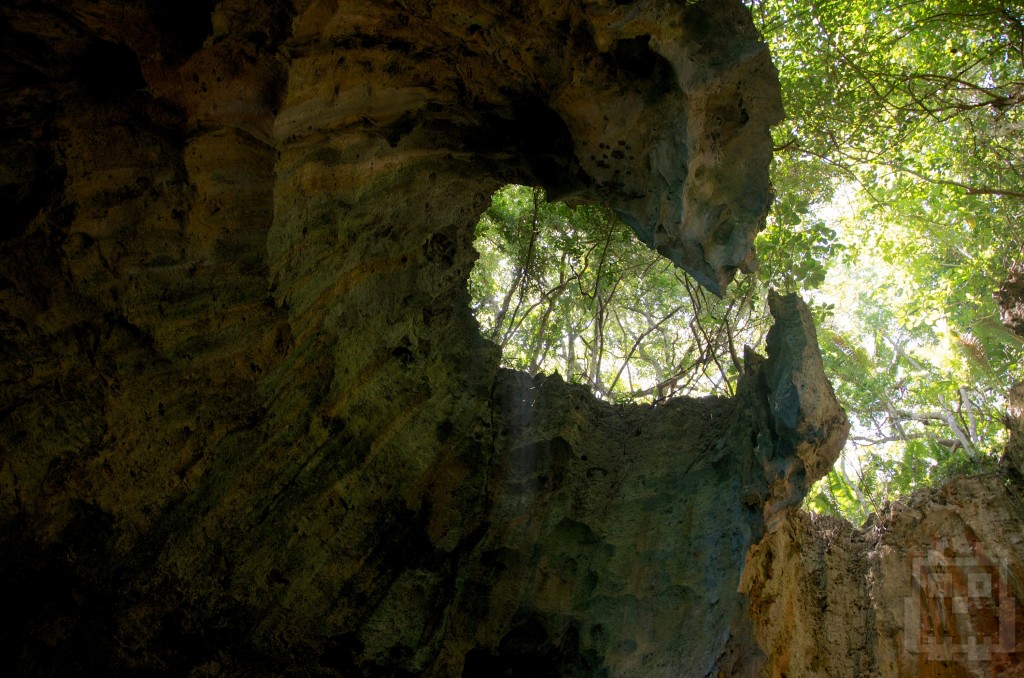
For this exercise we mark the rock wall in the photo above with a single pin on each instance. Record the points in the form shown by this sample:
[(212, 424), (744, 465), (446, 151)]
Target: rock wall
[(930, 586), (248, 425)]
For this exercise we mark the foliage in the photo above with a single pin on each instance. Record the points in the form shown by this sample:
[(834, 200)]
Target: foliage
[(573, 291), (906, 135), (900, 180)]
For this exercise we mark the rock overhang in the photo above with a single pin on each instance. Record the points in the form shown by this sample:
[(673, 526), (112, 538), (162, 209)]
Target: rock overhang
[(243, 339)]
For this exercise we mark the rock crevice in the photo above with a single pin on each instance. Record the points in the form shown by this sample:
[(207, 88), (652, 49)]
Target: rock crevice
[(249, 425)]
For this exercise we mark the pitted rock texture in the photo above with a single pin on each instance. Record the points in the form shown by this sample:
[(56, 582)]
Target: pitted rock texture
[(659, 108), (248, 424), (930, 587), (806, 418)]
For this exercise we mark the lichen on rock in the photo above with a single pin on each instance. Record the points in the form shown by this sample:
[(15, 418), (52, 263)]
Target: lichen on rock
[(248, 424)]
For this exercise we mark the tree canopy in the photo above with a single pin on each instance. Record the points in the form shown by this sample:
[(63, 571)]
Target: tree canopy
[(905, 133), (574, 291), (899, 173)]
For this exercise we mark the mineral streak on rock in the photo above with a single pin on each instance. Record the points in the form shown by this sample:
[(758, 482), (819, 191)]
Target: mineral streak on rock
[(248, 425)]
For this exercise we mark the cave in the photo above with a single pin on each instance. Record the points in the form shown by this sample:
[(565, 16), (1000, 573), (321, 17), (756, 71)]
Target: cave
[(248, 426)]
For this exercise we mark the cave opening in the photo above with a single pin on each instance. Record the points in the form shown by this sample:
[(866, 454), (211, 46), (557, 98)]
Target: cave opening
[(572, 290), (249, 427)]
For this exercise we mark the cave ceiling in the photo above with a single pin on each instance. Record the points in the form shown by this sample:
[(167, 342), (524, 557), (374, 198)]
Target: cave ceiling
[(248, 425)]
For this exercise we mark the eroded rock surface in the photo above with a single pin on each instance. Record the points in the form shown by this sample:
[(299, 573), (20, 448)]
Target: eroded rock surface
[(930, 586), (248, 424)]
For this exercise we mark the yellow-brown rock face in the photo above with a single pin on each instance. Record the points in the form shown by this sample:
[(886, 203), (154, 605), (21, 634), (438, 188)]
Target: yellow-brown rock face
[(930, 588), (248, 425)]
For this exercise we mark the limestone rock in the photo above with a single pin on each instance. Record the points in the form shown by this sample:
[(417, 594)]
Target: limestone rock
[(930, 587), (805, 415), (247, 423)]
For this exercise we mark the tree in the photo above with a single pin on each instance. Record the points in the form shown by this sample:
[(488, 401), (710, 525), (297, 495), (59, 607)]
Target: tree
[(900, 180), (574, 291), (905, 132)]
